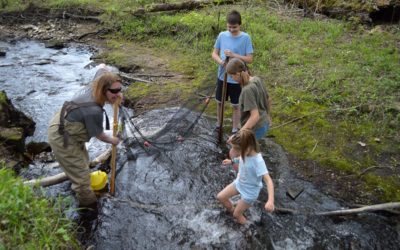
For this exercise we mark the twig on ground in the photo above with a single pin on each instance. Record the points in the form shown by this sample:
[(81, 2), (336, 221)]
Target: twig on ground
[(136, 79), (371, 168), (372, 208), (310, 114)]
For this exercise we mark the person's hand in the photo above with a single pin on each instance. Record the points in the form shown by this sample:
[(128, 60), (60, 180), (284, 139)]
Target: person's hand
[(114, 141), (226, 162), (228, 53), (269, 206), (230, 139)]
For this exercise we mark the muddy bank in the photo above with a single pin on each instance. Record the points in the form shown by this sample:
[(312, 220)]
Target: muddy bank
[(370, 12)]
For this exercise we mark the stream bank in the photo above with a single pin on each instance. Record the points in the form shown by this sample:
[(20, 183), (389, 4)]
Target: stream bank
[(191, 210)]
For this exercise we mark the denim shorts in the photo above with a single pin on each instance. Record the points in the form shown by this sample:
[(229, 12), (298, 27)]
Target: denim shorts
[(260, 132), (248, 200)]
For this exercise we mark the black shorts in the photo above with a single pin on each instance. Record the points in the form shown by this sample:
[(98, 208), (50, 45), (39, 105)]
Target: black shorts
[(233, 91)]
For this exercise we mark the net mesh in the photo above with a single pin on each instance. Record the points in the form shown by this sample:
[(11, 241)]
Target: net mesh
[(177, 125)]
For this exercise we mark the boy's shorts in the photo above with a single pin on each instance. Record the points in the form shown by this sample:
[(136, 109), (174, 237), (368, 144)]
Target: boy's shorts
[(233, 91)]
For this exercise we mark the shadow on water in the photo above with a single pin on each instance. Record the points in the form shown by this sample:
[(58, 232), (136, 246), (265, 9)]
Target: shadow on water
[(165, 197)]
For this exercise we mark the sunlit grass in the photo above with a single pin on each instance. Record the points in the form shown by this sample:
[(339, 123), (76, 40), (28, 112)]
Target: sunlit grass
[(29, 221)]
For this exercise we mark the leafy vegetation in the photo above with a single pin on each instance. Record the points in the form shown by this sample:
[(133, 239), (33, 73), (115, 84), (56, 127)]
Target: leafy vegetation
[(28, 221)]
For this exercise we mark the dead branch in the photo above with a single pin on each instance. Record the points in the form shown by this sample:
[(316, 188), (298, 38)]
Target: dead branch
[(131, 78), (61, 177), (391, 211), (79, 17), (189, 5), (310, 114), (372, 168), (95, 33), (372, 208), (155, 75), (282, 210)]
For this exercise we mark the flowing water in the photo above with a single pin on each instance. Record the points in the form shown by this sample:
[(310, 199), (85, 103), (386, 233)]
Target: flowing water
[(165, 198)]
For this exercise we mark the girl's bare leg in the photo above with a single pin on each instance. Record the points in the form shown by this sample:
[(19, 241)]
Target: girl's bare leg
[(225, 194), (239, 210)]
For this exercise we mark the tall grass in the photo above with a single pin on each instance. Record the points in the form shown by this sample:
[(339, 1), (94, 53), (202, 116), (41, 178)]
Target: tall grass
[(28, 221)]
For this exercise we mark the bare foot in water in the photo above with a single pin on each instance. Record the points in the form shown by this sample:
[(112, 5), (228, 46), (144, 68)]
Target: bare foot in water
[(241, 219)]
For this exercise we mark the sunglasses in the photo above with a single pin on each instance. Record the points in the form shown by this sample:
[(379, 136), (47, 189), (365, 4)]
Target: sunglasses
[(115, 91)]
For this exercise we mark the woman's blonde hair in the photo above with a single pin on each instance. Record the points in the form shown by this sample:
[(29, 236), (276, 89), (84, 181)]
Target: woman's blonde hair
[(235, 66), (246, 141), (102, 84)]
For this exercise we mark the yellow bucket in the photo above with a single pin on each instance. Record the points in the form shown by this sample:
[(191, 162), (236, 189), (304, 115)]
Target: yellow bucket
[(98, 180)]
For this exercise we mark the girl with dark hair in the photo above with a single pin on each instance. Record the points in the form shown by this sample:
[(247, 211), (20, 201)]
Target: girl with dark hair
[(254, 101)]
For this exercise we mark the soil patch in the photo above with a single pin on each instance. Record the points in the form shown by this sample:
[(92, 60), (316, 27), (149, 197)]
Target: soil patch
[(343, 186)]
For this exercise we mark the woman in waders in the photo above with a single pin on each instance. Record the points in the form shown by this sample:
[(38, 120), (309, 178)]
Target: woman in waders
[(79, 120)]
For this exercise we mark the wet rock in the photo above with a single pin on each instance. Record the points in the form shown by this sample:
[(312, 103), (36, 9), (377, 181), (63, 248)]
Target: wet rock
[(35, 148), (294, 192), (11, 117), (44, 62), (55, 44), (13, 137), (15, 126), (29, 27), (2, 52)]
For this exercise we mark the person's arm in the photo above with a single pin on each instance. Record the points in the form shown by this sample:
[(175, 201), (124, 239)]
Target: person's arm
[(270, 204), (108, 139), (216, 57), (253, 119)]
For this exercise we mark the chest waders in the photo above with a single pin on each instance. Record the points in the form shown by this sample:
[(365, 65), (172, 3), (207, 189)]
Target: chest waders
[(68, 107), (67, 139)]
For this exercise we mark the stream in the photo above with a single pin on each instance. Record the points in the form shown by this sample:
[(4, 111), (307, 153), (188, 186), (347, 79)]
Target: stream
[(165, 197)]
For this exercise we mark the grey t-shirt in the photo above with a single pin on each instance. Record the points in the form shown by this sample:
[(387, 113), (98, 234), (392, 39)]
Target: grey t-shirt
[(253, 96), (91, 116)]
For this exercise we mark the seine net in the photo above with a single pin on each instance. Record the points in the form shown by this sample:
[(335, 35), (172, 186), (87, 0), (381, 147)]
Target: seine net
[(161, 130)]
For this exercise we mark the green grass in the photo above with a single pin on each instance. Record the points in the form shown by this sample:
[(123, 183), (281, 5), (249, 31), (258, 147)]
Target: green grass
[(338, 75), (28, 221)]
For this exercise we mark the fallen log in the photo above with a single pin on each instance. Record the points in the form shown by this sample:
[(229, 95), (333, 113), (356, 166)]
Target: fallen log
[(372, 208), (61, 177), (135, 79), (189, 5)]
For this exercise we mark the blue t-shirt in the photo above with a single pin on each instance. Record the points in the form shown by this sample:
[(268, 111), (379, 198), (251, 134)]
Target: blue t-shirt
[(240, 44), (251, 172)]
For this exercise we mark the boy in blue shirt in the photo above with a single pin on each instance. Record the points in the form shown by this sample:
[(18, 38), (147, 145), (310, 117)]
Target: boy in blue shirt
[(232, 43)]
